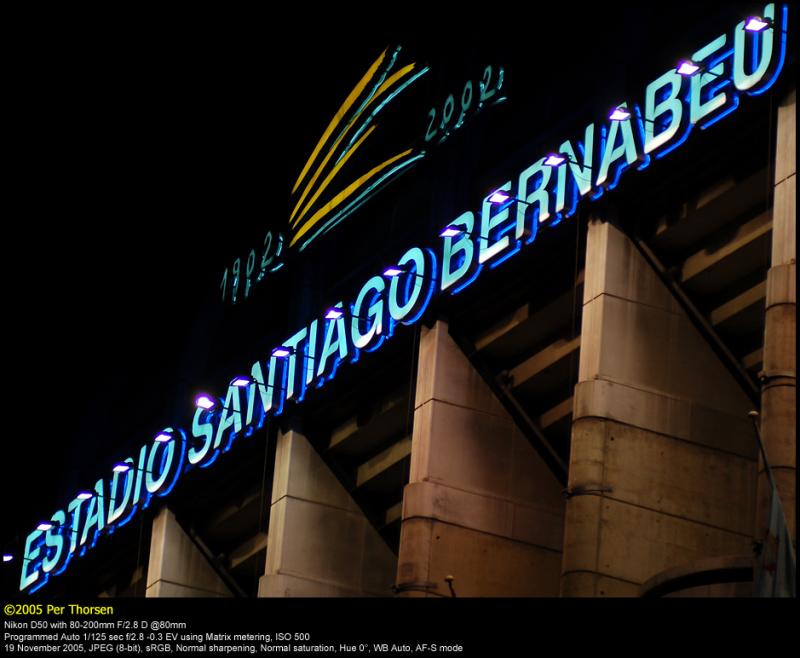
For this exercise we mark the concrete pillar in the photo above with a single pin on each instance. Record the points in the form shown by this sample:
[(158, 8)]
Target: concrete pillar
[(177, 567), (779, 378), (662, 462), (319, 543), (480, 505)]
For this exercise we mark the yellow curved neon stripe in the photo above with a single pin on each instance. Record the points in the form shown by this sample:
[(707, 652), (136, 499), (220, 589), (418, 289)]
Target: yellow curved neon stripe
[(381, 90), (334, 171), (338, 116), (344, 194), (390, 81)]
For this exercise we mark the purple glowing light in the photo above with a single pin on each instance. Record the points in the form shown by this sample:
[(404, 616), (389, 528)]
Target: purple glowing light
[(281, 352), (554, 159), (619, 114), (756, 24), (163, 437), (121, 467), (392, 271), (7, 557), (499, 197), (84, 495), (687, 67), (44, 525), (334, 314), (240, 382), (450, 232), (204, 401)]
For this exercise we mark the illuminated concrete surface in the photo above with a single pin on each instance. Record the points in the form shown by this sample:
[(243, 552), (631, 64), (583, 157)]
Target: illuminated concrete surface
[(480, 505), (319, 541), (779, 376), (662, 463), (177, 567)]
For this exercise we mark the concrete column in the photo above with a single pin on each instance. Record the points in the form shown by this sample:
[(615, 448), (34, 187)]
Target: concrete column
[(662, 463), (779, 378), (320, 543), (177, 567), (480, 505)]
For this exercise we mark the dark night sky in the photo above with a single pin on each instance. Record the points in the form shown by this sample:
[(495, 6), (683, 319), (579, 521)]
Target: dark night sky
[(143, 157), (144, 152)]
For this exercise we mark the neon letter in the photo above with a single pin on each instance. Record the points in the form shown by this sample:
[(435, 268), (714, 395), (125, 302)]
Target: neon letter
[(486, 250), (701, 109), (464, 247), (614, 151), (370, 292), (652, 110), (539, 196)]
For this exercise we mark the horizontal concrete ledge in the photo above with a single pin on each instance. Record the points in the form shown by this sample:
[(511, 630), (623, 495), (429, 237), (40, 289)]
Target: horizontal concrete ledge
[(346, 510), (782, 284), (779, 382), (597, 573), (587, 583), (776, 467), (510, 540), (705, 571), (167, 589), (292, 585), (678, 517), (540, 526), (769, 307), (662, 414)]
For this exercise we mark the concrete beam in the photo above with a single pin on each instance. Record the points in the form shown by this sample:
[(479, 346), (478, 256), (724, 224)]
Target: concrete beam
[(383, 461), (745, 235), (503, 327), (756, 295), (754, 359), (393, 514), (247, 549), (527, 326), (709, 211), (543, 360), (343, 432), (231, 511), (557, 413), (388, 420)]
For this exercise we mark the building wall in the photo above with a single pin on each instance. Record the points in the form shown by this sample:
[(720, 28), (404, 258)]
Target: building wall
[(319, 541), (662, 466), (481, 506), (177, 568), (779, 377)]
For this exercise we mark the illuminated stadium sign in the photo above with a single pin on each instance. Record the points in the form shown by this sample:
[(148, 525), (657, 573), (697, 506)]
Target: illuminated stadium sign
[(697, 93), (335, 181)]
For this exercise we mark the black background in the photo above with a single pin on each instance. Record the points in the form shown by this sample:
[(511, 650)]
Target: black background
[(145, 151)]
